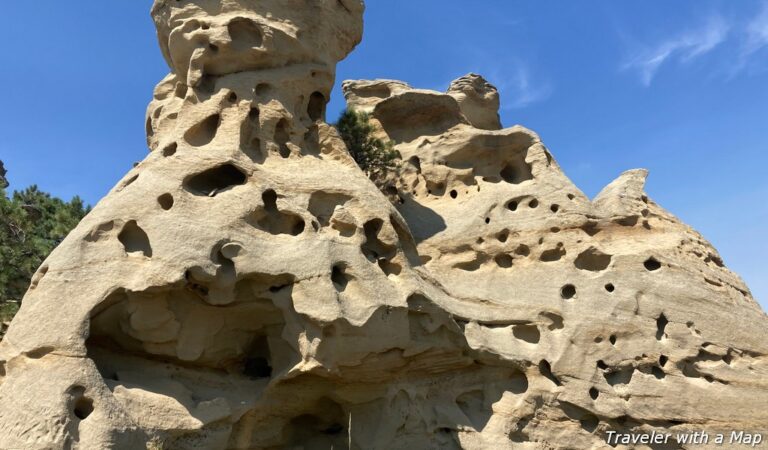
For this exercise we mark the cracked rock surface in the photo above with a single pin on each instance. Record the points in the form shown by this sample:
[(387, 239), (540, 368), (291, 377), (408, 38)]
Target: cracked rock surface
[(247, 287)]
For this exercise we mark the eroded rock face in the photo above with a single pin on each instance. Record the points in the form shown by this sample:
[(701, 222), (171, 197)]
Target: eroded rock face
[(625, 318), (246, 286), (479, 101)]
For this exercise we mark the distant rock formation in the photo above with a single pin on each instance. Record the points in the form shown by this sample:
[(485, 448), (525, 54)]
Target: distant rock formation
[(246, 286)]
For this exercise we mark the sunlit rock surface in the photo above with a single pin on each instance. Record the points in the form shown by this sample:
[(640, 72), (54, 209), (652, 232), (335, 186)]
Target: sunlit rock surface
[(247, 287)]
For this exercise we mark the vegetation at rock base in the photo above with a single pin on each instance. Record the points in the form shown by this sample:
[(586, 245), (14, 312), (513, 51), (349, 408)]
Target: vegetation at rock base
[(32, 224), (377, 158)]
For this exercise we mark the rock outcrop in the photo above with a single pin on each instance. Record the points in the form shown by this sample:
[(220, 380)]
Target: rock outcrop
[(246, 286)]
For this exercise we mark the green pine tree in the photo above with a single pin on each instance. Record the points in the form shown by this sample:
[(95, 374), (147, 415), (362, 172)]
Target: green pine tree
[(375, 157), (32, 224)]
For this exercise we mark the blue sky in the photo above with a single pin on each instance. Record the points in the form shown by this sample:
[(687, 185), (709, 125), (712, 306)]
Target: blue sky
[(677, 87)]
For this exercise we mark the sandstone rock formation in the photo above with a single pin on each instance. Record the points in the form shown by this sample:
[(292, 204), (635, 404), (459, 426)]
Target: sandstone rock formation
[(247, 287)]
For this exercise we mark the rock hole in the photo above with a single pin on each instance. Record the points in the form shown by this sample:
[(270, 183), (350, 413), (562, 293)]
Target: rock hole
[(663, 360), (316, 107), (622, 375), (591, 228), (612, 339), (554, 254), (170, 149), (415, 162), (82, 406), (594, 393), (554, 208), (283, 137), (518, 383), (245, 34), (516, 173), (610, 287), (487, 220), (658, 373), (503, 236), (262, 90), (523, 250), (257, 361), (204, 132), (652, 264), (533, 204), (340, 278), (589, 423), (165, 201), (373, 247), (214, 181), (512, 206), (527, 333), (135, 240), (503, 260), (593, 260), (568, 292), (232, 97), (319, 428), (322, 205), (546, 371), (661, 325), (557, 322), (454, 194), (270, 219), (602, 365)]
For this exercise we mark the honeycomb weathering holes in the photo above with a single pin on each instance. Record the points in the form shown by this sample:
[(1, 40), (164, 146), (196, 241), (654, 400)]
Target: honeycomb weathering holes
[(593, 260), (568, 292), (652, 264), (166, 201), (215, 180), (204, 132), (135, 240)]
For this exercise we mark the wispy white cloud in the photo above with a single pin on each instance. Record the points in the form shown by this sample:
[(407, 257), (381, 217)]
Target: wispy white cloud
[(682, 48), (519, 87), (519, 83), (757, 33)]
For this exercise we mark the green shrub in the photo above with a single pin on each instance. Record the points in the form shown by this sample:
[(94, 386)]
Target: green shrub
[(375, 157)]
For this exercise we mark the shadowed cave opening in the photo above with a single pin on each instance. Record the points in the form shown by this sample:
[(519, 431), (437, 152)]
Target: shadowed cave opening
[(164, 330), (245, 34), (316, 107), (213, 181), (135, 240), (322, 427)]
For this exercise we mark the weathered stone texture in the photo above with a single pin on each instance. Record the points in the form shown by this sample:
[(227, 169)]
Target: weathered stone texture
[(246, 286)]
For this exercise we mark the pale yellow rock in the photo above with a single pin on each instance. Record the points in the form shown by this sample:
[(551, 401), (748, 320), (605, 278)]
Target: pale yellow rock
[(247, 287)]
